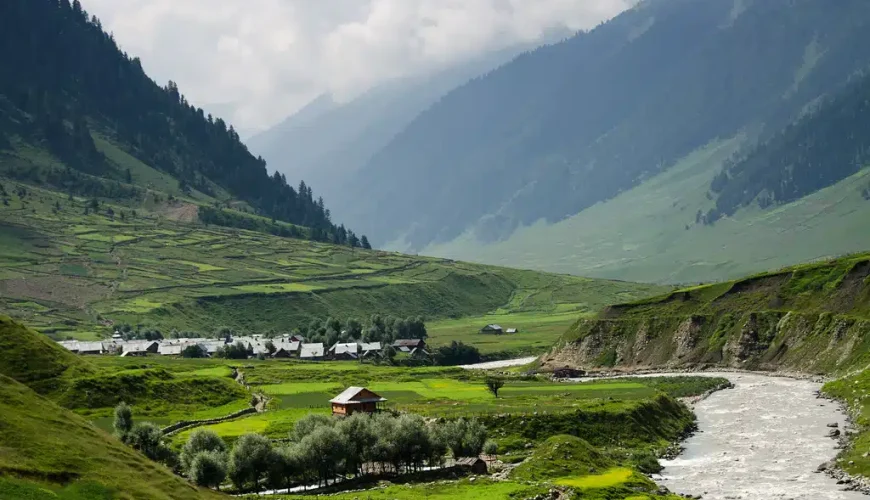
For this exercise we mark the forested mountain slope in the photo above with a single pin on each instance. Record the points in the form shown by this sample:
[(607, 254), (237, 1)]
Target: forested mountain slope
[(826, 146), (78, 114), (327, 142), (566, 126)]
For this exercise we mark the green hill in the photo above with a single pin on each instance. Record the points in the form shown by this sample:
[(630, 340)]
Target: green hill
[(51, 453), (561, 456), (813, 318), (35, 360)]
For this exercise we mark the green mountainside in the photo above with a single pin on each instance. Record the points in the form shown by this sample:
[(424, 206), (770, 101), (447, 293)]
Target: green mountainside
[(72, 274), (82, 117), (650, 233), (631, 154), (51, 453), (566, 126), (813, 318)]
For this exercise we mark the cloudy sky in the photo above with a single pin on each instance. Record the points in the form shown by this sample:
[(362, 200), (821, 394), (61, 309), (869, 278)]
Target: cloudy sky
[(256, 61)]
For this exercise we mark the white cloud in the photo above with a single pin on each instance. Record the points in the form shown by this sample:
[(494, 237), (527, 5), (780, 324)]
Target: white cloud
[(256, 61)]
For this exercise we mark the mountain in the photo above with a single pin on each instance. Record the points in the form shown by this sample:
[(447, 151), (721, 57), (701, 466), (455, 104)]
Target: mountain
[(78, 114), (326, 142), (569, 127)]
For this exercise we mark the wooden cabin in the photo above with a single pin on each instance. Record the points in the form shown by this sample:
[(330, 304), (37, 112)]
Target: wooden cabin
[(355, 400), (473, 465), (492, 330)]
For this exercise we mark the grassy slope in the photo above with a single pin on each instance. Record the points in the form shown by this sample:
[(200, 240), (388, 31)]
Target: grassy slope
[(810, 318), (641, 234), (47, 449), (35, 360), (66, 274)]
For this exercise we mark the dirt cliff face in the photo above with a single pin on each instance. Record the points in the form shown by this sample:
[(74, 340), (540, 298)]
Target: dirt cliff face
[(811, 319)]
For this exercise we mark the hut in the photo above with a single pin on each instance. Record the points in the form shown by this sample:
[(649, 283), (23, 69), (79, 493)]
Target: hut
[(492, 329), (355, 400), (474, 465)]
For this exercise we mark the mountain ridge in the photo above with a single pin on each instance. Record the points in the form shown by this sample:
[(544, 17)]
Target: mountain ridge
[(631, 99)]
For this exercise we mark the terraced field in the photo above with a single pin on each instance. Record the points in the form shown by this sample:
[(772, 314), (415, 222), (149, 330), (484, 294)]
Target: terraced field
[(71, 274)]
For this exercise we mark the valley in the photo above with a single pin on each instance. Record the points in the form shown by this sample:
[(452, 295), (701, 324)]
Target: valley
[(72, 275), (622, 263)]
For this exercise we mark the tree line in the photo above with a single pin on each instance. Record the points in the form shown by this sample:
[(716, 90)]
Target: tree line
[(71, 78), (318, 450)]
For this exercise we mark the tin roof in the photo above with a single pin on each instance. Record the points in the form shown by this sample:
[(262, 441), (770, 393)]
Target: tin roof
[(351, 395)]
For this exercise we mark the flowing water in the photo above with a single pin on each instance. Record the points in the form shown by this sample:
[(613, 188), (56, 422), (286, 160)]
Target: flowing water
[(761, 440)]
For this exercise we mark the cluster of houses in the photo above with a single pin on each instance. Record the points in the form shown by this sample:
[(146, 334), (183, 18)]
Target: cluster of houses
[(286, 347)]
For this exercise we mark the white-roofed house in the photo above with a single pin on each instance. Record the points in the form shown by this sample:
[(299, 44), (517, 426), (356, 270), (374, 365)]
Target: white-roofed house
[(355, 400), (370, 349), (311, 352), (345, 352), (139, 347), (286, 349)]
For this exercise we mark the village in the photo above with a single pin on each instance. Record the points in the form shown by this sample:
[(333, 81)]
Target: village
[(286, 346)]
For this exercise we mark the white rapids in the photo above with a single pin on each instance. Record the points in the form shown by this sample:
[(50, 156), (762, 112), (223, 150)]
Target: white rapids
[(493, 365), (761, 440)]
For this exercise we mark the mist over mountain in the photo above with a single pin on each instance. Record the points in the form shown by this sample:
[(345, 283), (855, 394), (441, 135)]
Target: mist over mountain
[(327, 141), (573, 124)]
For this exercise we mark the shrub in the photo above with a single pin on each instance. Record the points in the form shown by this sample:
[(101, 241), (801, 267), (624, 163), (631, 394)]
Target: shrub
[(148, 439), (200, 441), (465, 438), (208, 468), (250, 460), (457, 353), (123, 421), (494, 384), (490, 448), (194, 352)]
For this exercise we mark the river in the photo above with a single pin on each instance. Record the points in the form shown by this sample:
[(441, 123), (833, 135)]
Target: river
[(761, 440)]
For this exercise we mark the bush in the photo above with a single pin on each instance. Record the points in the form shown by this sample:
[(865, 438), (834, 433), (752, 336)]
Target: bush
[(457, 353), (250, 460), (464, 438), (123, 421), (208, 468), (494, 384), (148, 439), (490, 448), (194, 352), (200, 441), (308, 423)]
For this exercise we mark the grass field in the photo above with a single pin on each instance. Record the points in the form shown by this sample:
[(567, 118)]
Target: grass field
[(297, 388), (621, 419), (642, 234), (68, 274)]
